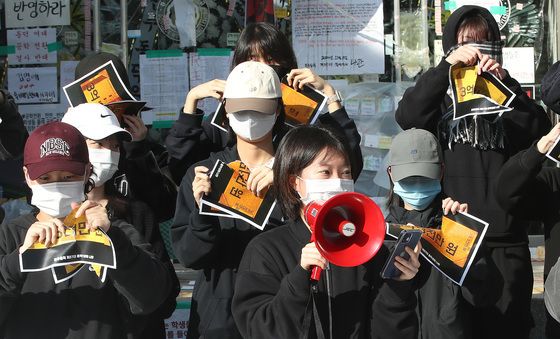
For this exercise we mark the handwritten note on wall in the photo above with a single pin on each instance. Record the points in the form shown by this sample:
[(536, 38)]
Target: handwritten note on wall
[(33, 84), (32, 13), (31, 46), (340, 36)]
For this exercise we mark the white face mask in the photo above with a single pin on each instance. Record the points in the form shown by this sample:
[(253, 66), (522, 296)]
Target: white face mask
[(324, 189), (105, 163), (251, 125), (55, 198)]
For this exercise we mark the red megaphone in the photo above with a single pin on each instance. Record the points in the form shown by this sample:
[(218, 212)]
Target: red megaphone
[(348, 229)]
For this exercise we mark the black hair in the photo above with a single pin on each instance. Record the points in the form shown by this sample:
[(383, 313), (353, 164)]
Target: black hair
[(297, 150), (264, 39), (477, 23)]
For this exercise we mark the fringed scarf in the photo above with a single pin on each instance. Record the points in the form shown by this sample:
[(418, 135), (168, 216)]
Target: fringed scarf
[(482, 132)]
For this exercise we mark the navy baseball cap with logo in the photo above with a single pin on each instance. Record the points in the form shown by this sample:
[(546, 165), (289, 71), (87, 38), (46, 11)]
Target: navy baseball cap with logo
[(415, 152), (55, 146)]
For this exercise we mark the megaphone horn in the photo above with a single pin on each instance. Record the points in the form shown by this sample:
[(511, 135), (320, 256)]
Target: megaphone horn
[(348, 229)]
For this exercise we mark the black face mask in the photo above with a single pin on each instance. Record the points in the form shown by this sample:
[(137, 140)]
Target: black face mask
[(280, 70)]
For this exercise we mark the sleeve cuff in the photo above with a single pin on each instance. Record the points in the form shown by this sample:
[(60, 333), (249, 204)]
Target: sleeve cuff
[(298, 281), (532, 158), (135, 149)]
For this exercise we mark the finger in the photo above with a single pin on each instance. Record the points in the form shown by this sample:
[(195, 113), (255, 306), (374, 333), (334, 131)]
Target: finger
[(406, 271), (201, 169), (447, 206), (413, 257), (455, 207), (53, 232), (464, 208), (59, 225), (86, 205), (262, 185), (74, 205), (41, 234)]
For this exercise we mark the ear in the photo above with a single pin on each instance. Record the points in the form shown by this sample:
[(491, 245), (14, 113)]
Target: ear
[(294, 183), (26, 174)]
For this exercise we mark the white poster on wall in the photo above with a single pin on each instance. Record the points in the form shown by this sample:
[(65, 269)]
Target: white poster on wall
[(32, 85), (32, 46), (164, 83), (340, 36), (33, 13), (520, 63)]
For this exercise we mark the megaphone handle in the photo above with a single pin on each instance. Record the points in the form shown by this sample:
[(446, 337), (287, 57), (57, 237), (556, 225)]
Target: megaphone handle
[(316, 273)]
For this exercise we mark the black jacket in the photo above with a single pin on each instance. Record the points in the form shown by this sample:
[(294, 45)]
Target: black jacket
[(191, 140), (141, 178), (528, 190), (443, 307), (141, 216), (272, 292), (213, 245), (83, 306), (13, 133), (469, 171)]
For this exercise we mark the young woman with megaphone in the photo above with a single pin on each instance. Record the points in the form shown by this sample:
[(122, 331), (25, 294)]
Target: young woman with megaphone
[(274, 296)]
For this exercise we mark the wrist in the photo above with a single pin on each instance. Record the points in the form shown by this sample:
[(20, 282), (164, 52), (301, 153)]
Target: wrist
[(190, 104), (328, 90), (336, 97)]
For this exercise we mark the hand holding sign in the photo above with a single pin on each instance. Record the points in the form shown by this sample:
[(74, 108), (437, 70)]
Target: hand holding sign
[(96, 215), (468, 55), (547, 141), (201, 184), (44, 232)]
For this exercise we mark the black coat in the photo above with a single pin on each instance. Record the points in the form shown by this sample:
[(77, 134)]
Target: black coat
[(213, 245), (272, 292)]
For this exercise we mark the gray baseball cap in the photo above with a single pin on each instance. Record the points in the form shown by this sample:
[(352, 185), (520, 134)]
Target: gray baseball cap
[(415, 152)]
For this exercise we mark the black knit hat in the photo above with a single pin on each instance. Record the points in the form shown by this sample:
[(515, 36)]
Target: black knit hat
[(97, 59), (550, 88)]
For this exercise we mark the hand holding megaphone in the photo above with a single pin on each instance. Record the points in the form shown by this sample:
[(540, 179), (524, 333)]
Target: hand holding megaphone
[(348, 229)]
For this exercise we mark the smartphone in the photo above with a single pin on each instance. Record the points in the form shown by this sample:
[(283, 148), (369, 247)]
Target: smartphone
[(407, 238)]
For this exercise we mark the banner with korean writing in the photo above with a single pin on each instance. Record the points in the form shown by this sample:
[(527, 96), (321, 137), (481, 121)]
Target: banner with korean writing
[(31, 85), (451, 248), (33, 13), (32, 46), (230, 195), (339, 37)]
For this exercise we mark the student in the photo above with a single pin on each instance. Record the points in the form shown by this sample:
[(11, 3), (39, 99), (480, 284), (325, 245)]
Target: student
[(56, 167), (415, 167), (141, 177), (214, 245), (104, 138), (474, 150), (191, 139), (527, 189), (273, 295)]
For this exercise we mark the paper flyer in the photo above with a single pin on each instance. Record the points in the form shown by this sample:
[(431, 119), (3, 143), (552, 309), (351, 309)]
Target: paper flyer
[(76, 247), (452, 248), (230, 194), (103, 85), (475, 94)]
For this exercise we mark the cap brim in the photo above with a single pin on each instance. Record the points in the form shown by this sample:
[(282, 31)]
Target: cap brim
[(265, 106), (422, 169), (122, 134), (35, 170)]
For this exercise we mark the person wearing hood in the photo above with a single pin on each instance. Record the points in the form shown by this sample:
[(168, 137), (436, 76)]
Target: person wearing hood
[(474, 150)]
